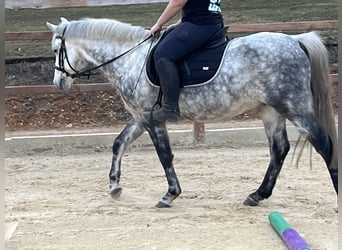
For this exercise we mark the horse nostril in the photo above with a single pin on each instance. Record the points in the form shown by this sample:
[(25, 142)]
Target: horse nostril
[(58, 84)]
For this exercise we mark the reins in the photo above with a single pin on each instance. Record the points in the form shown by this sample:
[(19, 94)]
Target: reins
[(142, 68), (88, 72)]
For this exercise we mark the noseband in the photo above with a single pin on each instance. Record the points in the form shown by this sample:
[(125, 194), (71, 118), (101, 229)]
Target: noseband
[(88, 72)]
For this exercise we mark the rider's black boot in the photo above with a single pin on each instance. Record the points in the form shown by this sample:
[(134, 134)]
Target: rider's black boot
[(169, 83), (166, 113)]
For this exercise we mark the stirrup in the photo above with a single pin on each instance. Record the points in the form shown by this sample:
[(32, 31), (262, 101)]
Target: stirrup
[(165, 114)]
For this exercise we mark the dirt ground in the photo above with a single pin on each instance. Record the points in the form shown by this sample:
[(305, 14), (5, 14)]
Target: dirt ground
[(61, 201)]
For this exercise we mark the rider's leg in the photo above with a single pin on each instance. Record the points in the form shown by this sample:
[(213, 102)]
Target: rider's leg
[(169, 83), (184, 39)]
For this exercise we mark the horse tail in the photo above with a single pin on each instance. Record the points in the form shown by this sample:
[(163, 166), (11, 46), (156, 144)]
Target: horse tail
[(321, 86)]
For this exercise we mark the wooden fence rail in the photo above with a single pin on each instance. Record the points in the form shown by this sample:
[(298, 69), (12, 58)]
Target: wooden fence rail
[(233, 28), (75, 88), (51, 89)]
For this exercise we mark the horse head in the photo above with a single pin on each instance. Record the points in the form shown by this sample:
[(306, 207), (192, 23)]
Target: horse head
[(69, 60)]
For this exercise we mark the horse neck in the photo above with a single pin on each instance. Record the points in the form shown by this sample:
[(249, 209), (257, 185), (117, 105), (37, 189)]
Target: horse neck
[(124, 69)]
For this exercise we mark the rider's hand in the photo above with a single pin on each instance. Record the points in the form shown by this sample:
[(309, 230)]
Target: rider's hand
[(155, 30)]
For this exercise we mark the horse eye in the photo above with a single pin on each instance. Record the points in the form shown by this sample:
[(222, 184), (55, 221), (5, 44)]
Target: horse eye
[(55, 51)]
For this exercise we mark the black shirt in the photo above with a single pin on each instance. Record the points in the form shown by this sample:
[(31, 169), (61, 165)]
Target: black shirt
[(202, 12)]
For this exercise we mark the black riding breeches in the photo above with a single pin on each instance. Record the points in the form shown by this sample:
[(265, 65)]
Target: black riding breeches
[(184, 39), (181, 41)]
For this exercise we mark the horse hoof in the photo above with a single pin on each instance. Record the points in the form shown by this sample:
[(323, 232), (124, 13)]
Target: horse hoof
[(115, 192), (161, 204), (250, 202)]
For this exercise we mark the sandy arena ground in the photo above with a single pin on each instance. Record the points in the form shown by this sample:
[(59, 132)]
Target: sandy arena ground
[(60, 201)]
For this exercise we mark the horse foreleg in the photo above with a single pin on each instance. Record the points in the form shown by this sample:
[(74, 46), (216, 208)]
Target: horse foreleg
[(161, 142), (275, 129), (131, 132)]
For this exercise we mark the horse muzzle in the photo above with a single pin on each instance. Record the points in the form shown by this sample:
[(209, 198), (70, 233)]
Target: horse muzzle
[(62, 84)]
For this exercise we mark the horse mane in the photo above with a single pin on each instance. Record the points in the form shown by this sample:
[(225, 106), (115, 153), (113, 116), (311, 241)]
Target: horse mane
[(103, 29)]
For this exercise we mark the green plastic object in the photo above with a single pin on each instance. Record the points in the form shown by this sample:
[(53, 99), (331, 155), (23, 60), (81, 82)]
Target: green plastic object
[(278, 222)]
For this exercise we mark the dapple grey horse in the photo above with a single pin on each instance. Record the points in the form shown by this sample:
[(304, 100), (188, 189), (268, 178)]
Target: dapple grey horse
[(282, 76)]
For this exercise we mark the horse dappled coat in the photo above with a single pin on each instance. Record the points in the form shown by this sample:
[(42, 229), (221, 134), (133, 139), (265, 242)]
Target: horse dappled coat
[(283, 76)]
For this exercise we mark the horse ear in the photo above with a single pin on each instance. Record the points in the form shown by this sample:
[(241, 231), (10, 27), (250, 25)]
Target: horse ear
[(64, 20), (52, 27)]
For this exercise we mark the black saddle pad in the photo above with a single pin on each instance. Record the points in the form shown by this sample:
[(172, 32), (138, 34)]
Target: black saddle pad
[(200, 66)]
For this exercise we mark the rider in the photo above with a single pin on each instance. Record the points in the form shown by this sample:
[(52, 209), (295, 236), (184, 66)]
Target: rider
[(200, 20)]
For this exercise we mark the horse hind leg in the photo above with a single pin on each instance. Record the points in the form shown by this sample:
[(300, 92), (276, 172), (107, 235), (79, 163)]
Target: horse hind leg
[(279, 146), (310, 128)]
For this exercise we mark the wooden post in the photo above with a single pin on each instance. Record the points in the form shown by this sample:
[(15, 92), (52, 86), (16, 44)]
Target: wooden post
[(199, 132)]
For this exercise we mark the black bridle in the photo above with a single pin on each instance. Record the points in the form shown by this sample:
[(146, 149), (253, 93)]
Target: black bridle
[(87, 72)]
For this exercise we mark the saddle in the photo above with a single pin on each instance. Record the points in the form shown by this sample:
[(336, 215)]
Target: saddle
[(199, 67)]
